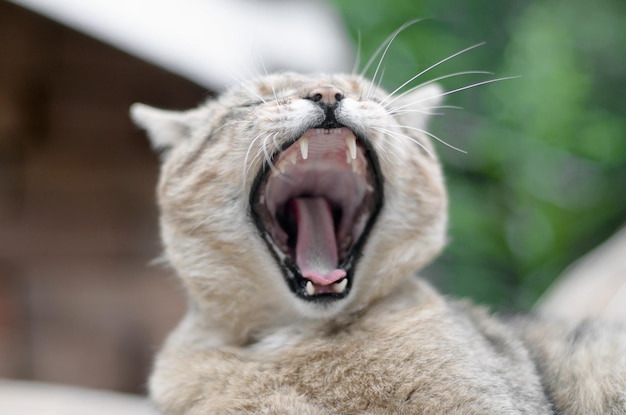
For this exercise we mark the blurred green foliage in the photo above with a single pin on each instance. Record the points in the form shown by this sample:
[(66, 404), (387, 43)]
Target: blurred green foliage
[(544, 177)]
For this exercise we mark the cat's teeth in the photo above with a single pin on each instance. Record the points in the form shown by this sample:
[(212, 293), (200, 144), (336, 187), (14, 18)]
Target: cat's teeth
[(355, 163), (351, 143), (304, 147), (310, 289), (340, 286), (281, 166), (292, 157), (278, 170)]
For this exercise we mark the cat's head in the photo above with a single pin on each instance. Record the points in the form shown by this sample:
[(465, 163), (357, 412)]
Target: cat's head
[(294, 196)]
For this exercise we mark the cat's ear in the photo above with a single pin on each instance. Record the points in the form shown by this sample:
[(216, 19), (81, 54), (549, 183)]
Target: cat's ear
[(165, 128), (415, 108)]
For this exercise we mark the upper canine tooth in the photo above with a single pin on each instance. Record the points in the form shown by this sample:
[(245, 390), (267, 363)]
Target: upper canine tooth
[(310, 289), (351, 143), (304, 147), (340, 286)]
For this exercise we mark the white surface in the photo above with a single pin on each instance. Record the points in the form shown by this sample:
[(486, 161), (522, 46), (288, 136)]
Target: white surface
[(594, 286), (213, 42), (32, 398)]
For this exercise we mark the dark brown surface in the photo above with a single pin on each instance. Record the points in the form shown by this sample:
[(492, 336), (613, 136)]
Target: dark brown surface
[(79, 302)]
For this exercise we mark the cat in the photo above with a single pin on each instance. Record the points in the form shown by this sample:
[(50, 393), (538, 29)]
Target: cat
[(296, 210)]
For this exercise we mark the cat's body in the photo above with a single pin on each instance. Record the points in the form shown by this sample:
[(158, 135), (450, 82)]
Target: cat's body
[(296, 210)]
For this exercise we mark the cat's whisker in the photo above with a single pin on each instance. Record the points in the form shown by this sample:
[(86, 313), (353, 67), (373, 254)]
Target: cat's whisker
[(247, 87), (274, 142), (430, 135), (490, 81), (268, 157), (357, 58), (236, 79), (389, 101), (398, 135), (384, 47), (419, 112), (385, 43), (431, 67), (422, 110), (246, 166), (276, 100), (281, 98), (380, 80), (388, 154), (271, 84)]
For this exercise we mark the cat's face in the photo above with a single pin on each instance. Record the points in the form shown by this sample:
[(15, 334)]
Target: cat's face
[(297, 196)]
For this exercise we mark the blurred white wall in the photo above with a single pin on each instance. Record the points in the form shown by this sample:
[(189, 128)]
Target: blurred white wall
[(213, 42), (592, 287)]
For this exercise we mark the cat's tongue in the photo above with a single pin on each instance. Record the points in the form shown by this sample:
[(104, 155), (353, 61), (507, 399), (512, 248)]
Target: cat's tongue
[(316, 246)]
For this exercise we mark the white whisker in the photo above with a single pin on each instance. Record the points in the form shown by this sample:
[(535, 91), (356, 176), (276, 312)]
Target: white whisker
[(357, 58), (250, 90), (263, 65), (430, 135), (490, 81), (268, 158), (386, 44), (384, 152), (380, 80), (416, 111), (274, 142), (408, 137), (271, 84), (246, 166), (431, 81), (431, 67), (235, 78), (421, 110)]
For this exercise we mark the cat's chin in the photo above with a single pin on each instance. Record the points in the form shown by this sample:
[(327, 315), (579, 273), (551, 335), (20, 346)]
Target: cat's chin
[(315, 202)]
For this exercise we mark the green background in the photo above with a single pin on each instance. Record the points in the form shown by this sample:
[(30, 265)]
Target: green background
[(544, 177)]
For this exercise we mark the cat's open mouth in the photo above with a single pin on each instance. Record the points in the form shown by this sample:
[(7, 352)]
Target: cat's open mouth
[(315, 205)]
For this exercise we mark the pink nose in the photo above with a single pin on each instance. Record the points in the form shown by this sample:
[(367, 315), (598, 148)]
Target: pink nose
[(326, 94)]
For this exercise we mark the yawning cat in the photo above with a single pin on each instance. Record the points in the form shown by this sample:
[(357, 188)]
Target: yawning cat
[(296, 210)]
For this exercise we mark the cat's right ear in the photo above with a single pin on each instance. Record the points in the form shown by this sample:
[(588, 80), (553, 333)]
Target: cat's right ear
[(165, 128)]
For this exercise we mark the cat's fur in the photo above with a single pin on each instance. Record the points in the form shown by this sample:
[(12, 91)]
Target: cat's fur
[(252, 343)]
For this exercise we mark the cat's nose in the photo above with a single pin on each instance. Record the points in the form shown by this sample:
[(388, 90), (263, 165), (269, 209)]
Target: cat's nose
[(327, 95)]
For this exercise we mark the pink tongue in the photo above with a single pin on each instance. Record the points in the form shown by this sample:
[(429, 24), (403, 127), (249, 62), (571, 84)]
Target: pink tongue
[(316, 247)]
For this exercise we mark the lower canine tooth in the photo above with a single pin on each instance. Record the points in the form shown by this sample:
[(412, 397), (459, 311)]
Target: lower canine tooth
[(310, 289), (340, 286), (292, 157)]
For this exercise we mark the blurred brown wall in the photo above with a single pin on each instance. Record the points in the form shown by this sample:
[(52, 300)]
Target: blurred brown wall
[(79, 302)]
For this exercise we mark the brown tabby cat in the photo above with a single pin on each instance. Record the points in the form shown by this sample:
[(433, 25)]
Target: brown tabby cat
[(296, 210)]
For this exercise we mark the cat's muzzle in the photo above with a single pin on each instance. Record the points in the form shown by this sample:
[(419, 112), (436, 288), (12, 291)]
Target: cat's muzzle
[(315, 204)]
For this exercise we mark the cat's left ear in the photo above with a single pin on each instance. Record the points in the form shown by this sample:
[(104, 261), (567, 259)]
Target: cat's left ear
[(415, 108), (165, 128)]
